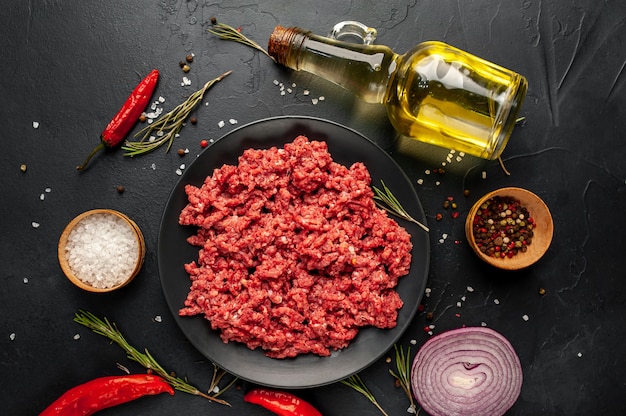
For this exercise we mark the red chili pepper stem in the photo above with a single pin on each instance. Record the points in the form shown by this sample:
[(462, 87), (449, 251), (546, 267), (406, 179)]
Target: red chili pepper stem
[(96, 149)]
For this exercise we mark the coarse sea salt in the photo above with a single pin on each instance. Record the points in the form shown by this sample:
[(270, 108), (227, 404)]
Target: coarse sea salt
[(102, 250)]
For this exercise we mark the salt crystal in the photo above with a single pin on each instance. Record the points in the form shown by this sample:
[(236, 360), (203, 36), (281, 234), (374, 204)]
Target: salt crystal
[(179, 172), (314, 101), (232, 121), (221, 124), (411, 409), (427, 171), (282, 93), (525, 317), (413, 341), (496, 301), (182, 166), (420, 181), (42, 197), (483, 323), (76, 337), (12, 336), (35, 124), (458, 304), (484, 174), (289, 90), (293, 85), (470, 289), (322, 98), (48, 190), (306, 92), (275, 82), (25, 280), (158, 318), (463, 298), (186, 81), (153, 166), (437, 183), (580, 354), (35, 224), (161, 99)]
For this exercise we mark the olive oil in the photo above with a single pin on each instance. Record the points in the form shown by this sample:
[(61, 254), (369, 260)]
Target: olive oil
[(434, 93)]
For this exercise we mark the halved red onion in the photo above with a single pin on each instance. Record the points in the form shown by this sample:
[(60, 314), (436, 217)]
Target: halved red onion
[(466, 371)]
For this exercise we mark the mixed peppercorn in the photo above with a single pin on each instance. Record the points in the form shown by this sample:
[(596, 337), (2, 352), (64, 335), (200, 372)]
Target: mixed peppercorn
[(502, 227)]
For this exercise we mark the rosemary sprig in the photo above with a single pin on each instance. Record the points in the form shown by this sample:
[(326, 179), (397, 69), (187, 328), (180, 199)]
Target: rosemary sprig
[(403, 365), (167, 127), (386, 200), (357, 384), (227, 32), (105, 328)]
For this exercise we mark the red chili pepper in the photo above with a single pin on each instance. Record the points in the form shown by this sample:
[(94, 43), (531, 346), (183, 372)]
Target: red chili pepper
[(127, 117), (280, 402), (105, 392)]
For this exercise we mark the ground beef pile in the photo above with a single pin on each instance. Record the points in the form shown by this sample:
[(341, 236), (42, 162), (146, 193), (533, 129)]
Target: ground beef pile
[(295, 256)]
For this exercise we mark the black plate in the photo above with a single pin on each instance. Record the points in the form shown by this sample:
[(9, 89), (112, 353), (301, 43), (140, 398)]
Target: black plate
[(346, 146)]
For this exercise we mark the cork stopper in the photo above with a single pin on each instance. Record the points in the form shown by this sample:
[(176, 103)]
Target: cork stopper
[(281, 42)]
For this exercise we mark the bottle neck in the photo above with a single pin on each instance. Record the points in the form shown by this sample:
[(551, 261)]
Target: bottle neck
[(365, 70)]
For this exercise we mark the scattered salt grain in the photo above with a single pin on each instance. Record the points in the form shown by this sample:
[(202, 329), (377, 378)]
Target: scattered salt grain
[(42, 197), (420, 181), (483, 323), (102, 250), (232, 121), (314, 101), (12, 336), (413, 342), (322, 98), (306, 92), (35, 124), (221, 124), (458, 304), (496, 301), (580, 354), (484, 174), (179, 172), (25, 280), (35, 224), (76, 337), (186, 81), (525, 317), (158, 318), (153, 166), (470, 289), (427, 292), (276, 82)]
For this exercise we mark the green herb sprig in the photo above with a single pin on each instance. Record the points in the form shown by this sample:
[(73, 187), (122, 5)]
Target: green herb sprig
[(357, 384), (167, 127), (227, 32), (403, 374), (109, 330), (386, 200)]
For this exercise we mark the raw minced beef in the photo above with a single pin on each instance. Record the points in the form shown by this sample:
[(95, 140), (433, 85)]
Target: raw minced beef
[(295, 256)]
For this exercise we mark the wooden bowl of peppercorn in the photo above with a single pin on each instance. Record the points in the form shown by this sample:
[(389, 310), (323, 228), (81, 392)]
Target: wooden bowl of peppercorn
[(509, 228)]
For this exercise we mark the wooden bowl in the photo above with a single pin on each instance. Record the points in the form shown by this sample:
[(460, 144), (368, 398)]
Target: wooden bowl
[(63, 255), (542, 231)]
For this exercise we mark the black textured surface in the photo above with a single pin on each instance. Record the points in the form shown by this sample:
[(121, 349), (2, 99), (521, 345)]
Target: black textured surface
[(68, 66)]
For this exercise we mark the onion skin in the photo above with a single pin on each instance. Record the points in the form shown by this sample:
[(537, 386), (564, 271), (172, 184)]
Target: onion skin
[(466, 371)]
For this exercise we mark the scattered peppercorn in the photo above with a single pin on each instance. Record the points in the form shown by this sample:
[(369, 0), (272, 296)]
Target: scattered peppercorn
[(466, 192), (181, 63), (204, 143), (193, 120), (181, 152), (397, 383), (502, 227), (542, 291), (439, 216), (446, 204), (213, 20), (455, 214), (120, 189), (429, 316), (189, 58), (142, 118)]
